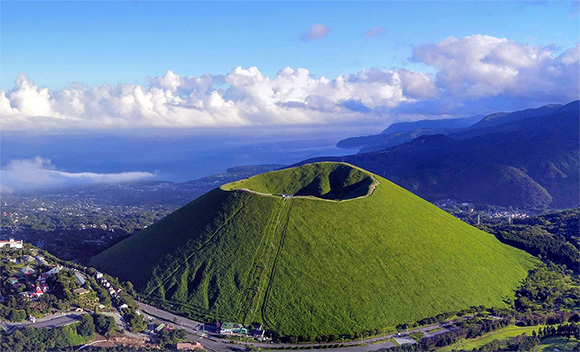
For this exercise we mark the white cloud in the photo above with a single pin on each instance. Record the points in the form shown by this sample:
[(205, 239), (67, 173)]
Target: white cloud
[(470, 72), (374, 32), (317, 31), (480, 66), (243, 97), (39, 173)]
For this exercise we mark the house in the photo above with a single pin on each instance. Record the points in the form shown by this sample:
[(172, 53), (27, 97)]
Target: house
[(188, 346), (54, 270), (35, 294), (81, 291), (98, 275), (40, 260), (80, 278), (232, 328), (11, 244), (27, 270)]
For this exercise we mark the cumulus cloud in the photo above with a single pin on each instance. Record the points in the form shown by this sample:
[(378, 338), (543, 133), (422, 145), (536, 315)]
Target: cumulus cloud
[(39, 173), (471, 72), (317, 31), (243, 97), (374, 32), (480, 66)]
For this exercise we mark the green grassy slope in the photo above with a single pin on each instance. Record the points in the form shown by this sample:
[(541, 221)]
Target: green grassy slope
[(307, 266), (335, 181)]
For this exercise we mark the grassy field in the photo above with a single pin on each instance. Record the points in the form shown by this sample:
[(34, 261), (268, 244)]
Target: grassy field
[(500, 335), (558, 343), (307, 266)]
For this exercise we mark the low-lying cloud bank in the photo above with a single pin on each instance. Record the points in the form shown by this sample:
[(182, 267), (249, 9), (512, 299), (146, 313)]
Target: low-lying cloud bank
[(472, 73), (39, 174)]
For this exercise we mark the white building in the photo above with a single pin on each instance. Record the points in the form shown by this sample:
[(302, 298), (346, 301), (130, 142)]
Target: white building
[(11, 243)]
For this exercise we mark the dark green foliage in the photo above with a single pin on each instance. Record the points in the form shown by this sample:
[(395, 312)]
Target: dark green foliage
[(312, 268), (135, 321), (548, 286), (490, 347), (171, 337), (62, 284), (30, 339), (104, 324), (86, 326), (553, 236)]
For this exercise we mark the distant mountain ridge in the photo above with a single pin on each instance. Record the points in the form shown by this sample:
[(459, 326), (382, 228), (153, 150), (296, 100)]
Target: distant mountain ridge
[(433, 124), (531, 160), (402, 132), (500, 118)]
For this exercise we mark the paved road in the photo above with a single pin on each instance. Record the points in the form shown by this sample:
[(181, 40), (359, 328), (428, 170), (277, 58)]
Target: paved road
[(52, 321), (56, 321), (193, 329)]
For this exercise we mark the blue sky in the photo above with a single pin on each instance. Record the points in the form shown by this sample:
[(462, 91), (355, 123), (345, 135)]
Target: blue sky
[(57, 43), (181, 89)]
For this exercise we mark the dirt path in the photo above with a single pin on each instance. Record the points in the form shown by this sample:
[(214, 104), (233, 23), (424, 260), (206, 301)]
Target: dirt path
[(280, 228)]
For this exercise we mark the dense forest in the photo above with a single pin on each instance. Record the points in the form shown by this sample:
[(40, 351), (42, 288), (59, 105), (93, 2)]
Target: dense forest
[(553, 236)]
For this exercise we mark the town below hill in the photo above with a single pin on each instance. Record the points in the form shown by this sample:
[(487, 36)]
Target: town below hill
[(77, 223)]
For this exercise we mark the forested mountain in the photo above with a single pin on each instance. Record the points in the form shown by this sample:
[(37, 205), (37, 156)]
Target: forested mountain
[(530, 163), (402, 132)]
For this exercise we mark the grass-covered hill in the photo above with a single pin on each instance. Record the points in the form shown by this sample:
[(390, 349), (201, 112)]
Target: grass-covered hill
[(349, 252)]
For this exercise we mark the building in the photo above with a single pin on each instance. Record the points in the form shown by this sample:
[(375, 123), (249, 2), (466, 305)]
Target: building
[(80, 278), (54, 270), (34, 295), (232, 328), (11, 244), (81, 291), (27, 270)]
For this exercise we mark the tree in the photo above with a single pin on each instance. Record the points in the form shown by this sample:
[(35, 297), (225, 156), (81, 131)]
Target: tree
[(136, 322), (171, 337), (104, 325), (86, 328)]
